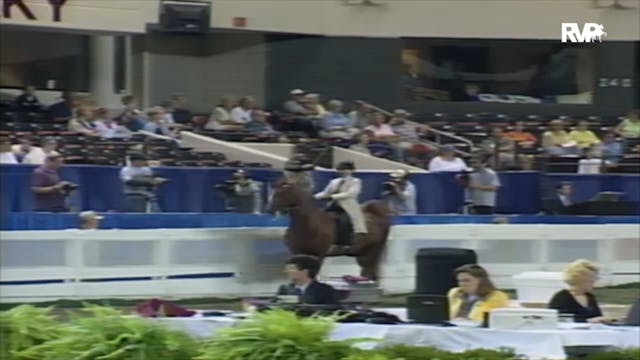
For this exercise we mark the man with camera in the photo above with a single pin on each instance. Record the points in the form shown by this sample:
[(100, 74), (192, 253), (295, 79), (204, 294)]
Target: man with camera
[(241, 193), (400, 193), (140, 185), (50, 193)]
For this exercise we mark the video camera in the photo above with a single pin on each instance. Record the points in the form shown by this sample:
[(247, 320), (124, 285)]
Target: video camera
[(68, 188), (238, 178), (395, 179)]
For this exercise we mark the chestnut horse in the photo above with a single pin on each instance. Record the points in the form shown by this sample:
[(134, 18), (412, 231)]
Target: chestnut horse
[(312, 230)]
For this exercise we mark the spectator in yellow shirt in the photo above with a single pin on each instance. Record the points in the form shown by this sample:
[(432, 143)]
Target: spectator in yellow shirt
[(556, 141), (583, 137)]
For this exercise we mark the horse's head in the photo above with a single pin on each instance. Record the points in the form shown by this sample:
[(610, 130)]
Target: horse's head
[(286, 196)]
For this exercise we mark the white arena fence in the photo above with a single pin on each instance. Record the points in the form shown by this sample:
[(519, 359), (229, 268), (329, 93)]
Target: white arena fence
[(224, 262)]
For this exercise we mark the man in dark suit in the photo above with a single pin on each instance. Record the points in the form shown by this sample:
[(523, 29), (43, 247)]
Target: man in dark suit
[(302, 271), (561, 202)]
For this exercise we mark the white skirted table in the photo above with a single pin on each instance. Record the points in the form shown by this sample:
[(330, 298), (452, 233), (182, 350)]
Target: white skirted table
[(535, 344)]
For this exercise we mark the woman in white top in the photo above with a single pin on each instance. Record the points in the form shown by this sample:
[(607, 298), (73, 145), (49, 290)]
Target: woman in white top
[(6, 155), (221, 116), (447, 161), (37, 155)]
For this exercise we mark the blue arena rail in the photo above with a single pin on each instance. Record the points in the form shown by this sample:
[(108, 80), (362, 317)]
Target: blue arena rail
[(191, 189)]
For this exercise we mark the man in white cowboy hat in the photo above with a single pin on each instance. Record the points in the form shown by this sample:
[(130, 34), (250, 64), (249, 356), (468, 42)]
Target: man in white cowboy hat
[(343, 193), (400, 193)]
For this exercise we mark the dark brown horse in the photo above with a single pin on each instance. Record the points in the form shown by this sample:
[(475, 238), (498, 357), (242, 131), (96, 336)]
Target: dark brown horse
[(312, 230)]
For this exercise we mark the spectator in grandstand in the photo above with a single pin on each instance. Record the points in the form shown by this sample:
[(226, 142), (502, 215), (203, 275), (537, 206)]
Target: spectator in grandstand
[(241, 193), (611, 148), (221, 116), (107, 127), (6, 155), (483, 186), (302, 271), (400, 193), (22, 148), (583, 137), (180, 109), (579, 300), (158, 123), (241, 114), (312, 102), (82, 122), (336, 124), (592, 163), (475, 296), (408, 133), (38, 155), (556, 141), (140, 185), (561, 200), (304, 119), (362, 141), (499, 149), (64, 107), (89, 220), (49, 191), (296, 104), (27, 101), (629, 129), (447, 161), (381, 131), (522, 137), (258, 124), (131, 117), (359, 115)]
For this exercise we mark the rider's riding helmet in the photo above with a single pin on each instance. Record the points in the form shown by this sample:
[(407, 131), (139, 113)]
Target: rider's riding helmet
[(346, 165)]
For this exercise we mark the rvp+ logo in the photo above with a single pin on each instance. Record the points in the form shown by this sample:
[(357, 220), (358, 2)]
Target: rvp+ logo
[(591, 32)]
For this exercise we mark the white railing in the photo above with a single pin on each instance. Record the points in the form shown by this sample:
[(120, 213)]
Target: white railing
[(248, 261)]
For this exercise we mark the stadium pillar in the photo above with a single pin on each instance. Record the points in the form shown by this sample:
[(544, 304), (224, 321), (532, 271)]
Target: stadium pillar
[(102, 70)]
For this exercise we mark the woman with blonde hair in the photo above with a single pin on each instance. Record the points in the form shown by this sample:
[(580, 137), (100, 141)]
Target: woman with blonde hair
[(578, 299), (475, 295)]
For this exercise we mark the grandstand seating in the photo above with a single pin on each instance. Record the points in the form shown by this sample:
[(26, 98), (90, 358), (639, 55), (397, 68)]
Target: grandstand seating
[(473, 127)]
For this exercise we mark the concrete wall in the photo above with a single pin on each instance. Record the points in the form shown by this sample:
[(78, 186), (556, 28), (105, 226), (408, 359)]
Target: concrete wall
[(233, 151), (203, 67), (522, 19)]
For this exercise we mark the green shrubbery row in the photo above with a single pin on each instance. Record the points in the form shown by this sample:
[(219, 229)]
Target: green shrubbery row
[(102, 333)]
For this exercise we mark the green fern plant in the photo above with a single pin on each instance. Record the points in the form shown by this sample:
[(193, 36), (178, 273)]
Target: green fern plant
[(26, 326), (278, 335), (107, 334)]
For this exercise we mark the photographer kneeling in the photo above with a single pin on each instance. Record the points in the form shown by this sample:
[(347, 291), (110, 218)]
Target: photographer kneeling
[(241, 193), (400, 193)]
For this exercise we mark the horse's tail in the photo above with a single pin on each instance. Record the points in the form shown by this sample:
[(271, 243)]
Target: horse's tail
[(377, 208)]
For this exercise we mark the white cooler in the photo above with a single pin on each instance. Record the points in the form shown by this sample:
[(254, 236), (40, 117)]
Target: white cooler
[(523, 319), (537, 286)]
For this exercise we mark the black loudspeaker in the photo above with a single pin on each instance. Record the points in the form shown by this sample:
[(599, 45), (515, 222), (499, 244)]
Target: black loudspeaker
[(435, 267), (185, 16)]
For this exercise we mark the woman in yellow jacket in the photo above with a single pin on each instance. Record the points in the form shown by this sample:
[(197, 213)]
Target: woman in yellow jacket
[(475, 294)]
